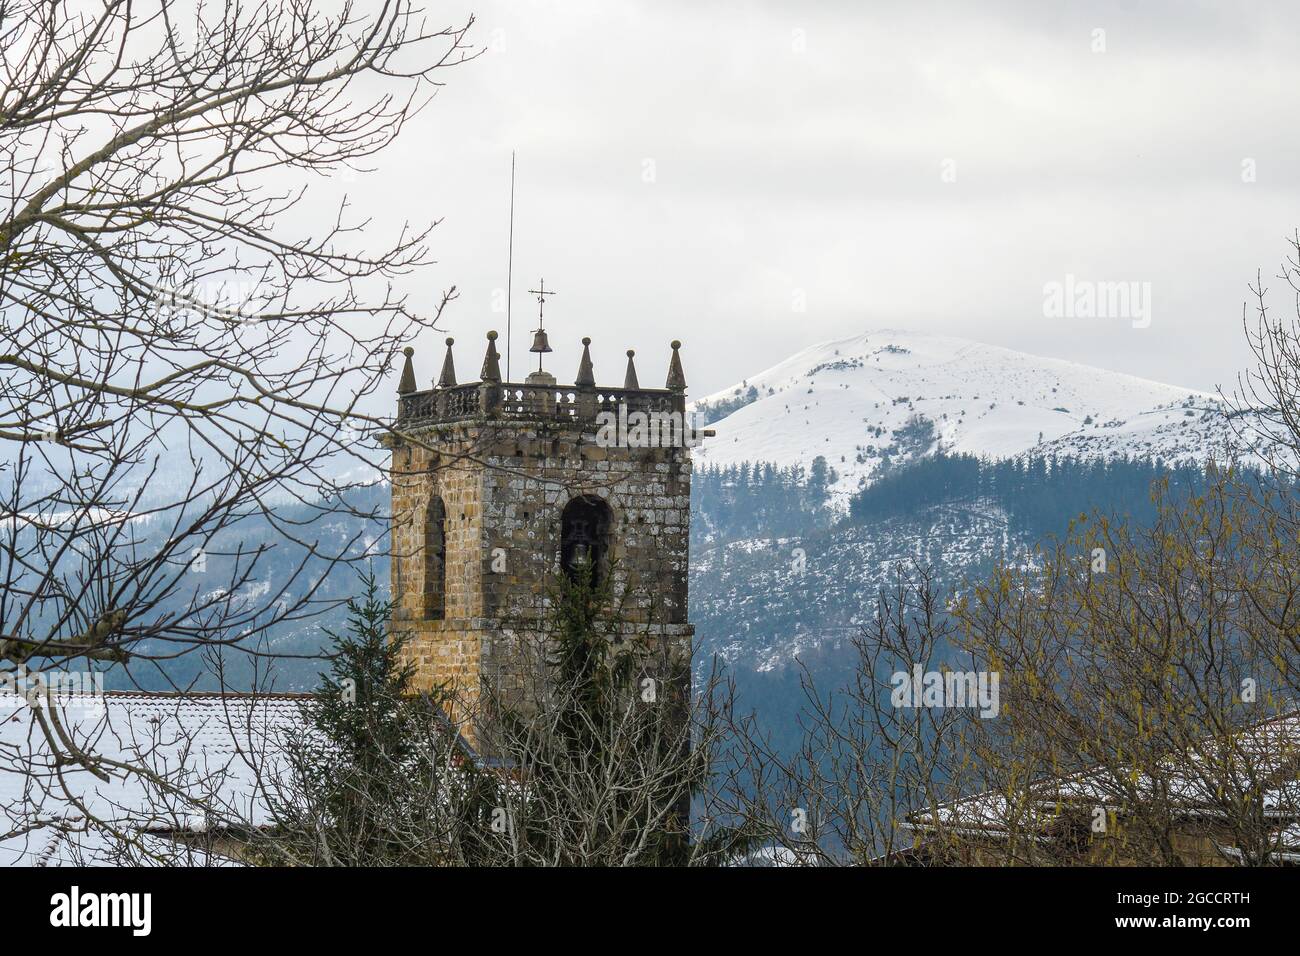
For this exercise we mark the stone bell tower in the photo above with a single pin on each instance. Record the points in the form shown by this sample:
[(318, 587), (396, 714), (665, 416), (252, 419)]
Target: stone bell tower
[(498, 487)]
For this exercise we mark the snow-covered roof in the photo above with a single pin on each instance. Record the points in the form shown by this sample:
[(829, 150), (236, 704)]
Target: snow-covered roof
[(1268, 749), (201, 761)]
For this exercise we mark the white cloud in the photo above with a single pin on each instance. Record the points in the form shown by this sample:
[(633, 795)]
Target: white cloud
[(820, 171)]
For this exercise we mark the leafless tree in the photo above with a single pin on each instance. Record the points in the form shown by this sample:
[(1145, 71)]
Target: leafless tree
[(1145, 709), (1265, 407), (187, 342), (1147, 690), (864, 766)]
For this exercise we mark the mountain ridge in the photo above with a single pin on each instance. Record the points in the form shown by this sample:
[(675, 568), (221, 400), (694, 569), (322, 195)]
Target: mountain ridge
[(868, 401)]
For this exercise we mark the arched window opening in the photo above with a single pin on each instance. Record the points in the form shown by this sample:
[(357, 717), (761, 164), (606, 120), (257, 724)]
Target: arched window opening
[(585, 528), (398, 558), (435, 560)]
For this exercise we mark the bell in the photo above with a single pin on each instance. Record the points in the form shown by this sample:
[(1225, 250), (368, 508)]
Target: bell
[(539, 342)]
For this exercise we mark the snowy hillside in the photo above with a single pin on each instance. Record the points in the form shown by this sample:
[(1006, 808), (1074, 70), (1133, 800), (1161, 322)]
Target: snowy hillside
[(897, 395), (756, 607)]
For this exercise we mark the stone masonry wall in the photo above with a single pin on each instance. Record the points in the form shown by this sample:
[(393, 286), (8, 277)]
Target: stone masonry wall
[(504, 486), (445, 650)]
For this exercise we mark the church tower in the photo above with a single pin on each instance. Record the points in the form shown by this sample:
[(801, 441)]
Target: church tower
[(498, 487)]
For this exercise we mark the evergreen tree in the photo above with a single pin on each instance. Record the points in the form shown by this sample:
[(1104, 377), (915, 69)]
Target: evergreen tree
[(818, 482), (381, 777)]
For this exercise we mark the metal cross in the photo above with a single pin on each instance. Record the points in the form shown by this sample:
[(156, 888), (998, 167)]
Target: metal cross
[(541, 294)]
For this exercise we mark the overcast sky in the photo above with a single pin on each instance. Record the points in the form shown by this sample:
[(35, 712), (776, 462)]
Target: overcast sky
[(755, 178)]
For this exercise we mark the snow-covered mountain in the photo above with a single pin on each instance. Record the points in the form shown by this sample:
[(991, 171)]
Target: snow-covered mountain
[(861, 400)]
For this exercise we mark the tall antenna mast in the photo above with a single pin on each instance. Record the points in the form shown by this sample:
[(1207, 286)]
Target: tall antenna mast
[(510, 262)]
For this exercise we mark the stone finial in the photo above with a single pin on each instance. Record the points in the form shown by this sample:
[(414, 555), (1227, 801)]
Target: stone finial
[(676, 377), (407, 384), (448, 377), (492, 361), (586, 373), (629, 380)]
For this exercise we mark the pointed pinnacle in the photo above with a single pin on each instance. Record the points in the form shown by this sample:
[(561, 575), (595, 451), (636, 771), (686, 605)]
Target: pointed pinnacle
[(491, 361), (629, 380), (448, 377), (586, 374), (407, 384), (676, 377)]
